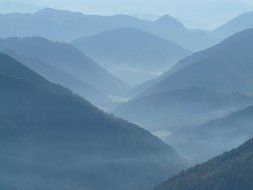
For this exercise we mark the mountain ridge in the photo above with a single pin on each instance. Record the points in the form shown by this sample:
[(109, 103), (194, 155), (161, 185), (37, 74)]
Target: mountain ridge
[(237, 24), (61, 59), (130, 49), (39, 139), (73, 27), (216, 68)]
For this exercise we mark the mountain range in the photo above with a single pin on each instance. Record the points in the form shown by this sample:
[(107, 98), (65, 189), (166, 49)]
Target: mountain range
[(53, 139), (204, 87), (185, 96), (50, 23), (131, 54)]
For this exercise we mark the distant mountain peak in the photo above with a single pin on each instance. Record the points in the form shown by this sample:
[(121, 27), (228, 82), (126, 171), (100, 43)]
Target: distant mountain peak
[(167, 19), (46, 10), (56, 12)]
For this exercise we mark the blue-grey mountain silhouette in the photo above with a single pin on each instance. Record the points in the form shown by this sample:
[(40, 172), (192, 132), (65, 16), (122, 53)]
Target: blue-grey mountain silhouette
[(131, 51), (63, 64), (224, 68), (51, 23), (53, 139), (238, 24)]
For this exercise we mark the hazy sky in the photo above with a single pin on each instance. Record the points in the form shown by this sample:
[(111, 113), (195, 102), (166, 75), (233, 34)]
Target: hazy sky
[(206, 12)]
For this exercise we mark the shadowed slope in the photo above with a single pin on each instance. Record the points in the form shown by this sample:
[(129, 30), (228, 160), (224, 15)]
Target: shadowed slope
[(52, 139)]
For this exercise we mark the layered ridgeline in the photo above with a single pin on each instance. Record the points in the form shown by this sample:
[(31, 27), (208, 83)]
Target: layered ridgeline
[(238, 24), (232, 170), (50, 23), (181, 108), (63, 64), (205, 86), (52, 139), (213, 137), (132, 55), (225, 67)]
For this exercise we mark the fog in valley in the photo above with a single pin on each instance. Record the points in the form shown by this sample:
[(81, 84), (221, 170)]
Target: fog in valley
[(129, 95)]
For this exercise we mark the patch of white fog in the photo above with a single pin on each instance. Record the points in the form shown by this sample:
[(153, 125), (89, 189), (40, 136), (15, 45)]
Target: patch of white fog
[(162, 134), (118, 99)]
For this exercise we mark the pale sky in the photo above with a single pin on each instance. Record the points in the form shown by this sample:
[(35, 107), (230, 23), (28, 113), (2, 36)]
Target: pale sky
[(210, 13)]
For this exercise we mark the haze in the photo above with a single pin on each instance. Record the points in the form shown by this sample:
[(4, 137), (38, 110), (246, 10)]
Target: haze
[(126, 94), (193, 13)]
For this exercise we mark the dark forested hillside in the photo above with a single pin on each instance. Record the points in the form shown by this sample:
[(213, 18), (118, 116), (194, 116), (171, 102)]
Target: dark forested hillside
[(52, 139), (230, 171), (58, 76)]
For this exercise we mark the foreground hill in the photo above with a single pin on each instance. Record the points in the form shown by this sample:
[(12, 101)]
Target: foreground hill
[(52, 139), (238, 24), (181, 108), (63, 64), (133, 51), (232, 170), (50, 23), (224, 67)]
